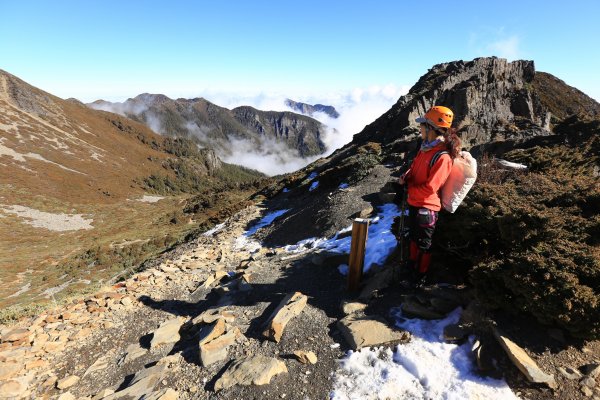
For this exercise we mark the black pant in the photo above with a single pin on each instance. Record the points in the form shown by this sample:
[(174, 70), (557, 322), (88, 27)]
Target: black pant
[(421, 225)]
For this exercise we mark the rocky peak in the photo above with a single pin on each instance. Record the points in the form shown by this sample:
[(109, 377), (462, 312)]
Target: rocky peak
[(492, 99), (310, 109)]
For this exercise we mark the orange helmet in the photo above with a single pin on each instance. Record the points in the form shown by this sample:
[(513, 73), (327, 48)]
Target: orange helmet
[(437, 116)]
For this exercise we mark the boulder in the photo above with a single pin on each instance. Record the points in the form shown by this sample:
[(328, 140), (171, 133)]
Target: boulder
[(290, 306), (523, 362), (167, 333), (217, 276), (365, 331), (253, 370)]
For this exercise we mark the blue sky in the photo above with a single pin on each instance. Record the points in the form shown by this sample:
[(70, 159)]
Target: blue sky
[(118, 49)]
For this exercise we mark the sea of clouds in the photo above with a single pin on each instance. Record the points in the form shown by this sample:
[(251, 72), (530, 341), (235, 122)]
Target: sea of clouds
[(357, 108)]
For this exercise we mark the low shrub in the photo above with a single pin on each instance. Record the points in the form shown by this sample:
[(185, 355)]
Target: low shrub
[(532, 238)]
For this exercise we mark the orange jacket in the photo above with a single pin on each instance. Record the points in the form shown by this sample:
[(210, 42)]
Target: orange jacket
[(423, 182)]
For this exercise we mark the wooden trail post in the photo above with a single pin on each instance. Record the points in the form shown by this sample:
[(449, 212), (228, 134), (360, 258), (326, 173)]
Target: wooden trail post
[(360, 228)]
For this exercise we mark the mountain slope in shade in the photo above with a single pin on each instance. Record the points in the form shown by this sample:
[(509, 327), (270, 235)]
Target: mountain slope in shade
[(221, 128), (310, 109)]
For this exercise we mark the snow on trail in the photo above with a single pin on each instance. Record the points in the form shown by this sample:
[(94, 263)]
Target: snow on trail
[(427, 367), (244, 242), (380, 242), (214, 230), (424, 368)]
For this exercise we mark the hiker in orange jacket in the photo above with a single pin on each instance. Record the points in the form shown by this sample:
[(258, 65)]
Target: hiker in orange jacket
[(426, 175)]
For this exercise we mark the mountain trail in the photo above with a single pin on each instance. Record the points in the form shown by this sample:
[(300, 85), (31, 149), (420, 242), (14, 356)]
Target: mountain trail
[(102, 341)]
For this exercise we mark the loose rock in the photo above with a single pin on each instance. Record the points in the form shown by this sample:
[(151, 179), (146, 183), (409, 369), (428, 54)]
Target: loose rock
[(67, 382), (167, 333), (523, 362), (352, 307), (363, 331), (255, 370), (306, 357), (143, 382), (290, 306)]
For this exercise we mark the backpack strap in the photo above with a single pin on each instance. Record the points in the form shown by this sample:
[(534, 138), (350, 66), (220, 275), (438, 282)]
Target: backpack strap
[(436, 157)]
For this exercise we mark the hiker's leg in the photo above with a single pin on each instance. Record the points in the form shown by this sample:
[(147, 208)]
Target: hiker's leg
[(413, 227), (426, 221)]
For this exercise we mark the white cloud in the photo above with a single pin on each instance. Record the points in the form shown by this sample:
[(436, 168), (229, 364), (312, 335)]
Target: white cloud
[(506, 48), (499, 42)]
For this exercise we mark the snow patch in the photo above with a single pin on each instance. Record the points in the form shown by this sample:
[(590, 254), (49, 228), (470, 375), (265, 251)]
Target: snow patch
[(343, 186), (24, 288), (150, 199), (313, 186), (52, 222), (214, 230), (511, 165), (265, 221), (7, 151), (425, 368)]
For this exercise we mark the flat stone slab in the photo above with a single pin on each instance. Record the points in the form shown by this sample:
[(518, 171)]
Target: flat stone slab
[(143, 382), (365, 331), (523, 362), (67, 382), (254, 370), (167, 333), (290, 306), (133, 352), (216, 349)]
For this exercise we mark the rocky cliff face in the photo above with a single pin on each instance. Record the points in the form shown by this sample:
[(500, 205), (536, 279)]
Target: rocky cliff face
[(492, 99), (310, 109), (296, 131), (221, 128)]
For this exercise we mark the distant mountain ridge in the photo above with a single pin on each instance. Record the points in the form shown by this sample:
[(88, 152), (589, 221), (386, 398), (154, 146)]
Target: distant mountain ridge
[(221, 128), (51, 140), (311, 109)]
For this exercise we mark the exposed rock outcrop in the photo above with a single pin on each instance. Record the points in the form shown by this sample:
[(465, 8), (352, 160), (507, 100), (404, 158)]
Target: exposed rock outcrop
[(492, 100)]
